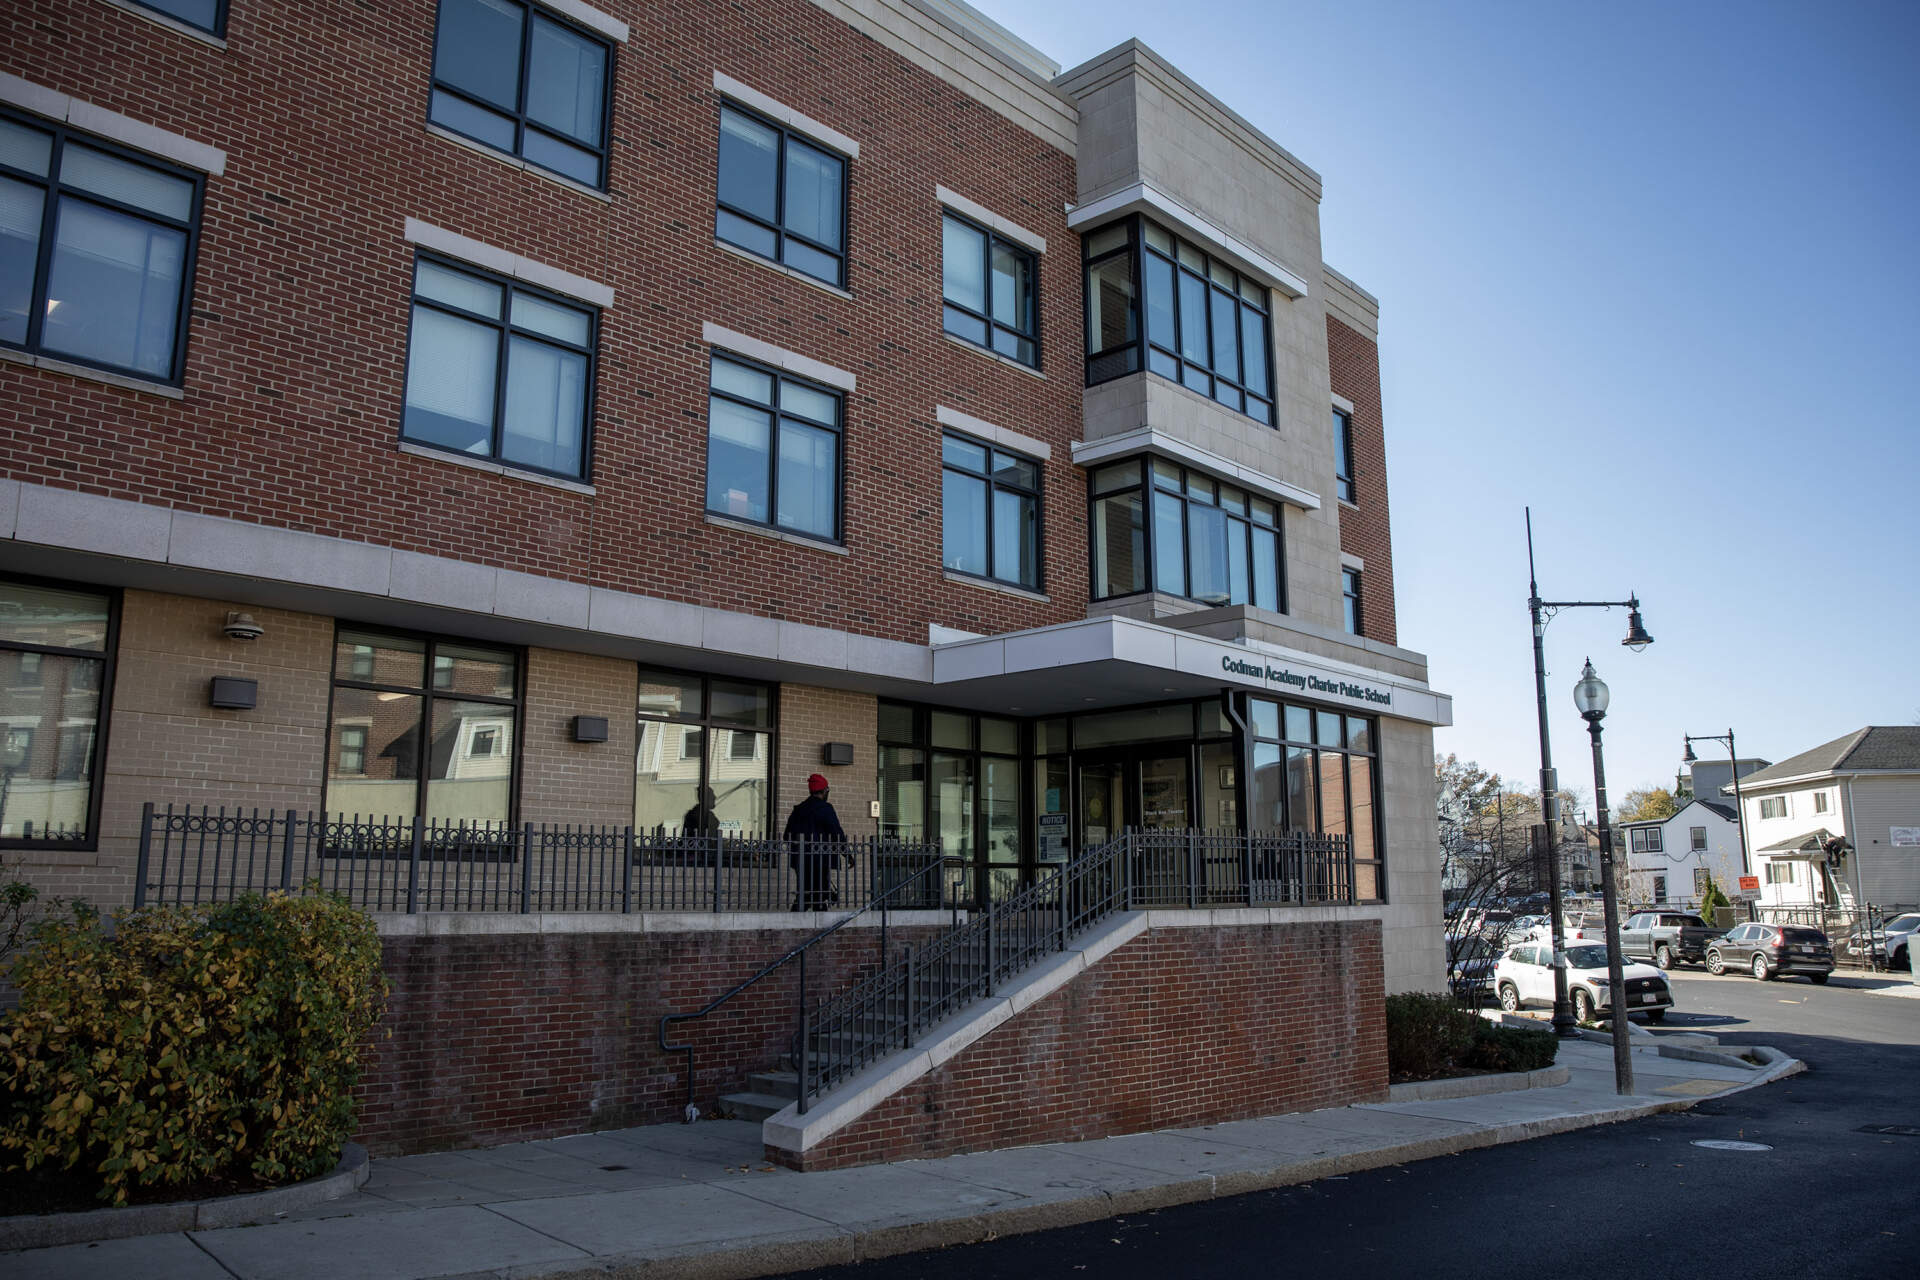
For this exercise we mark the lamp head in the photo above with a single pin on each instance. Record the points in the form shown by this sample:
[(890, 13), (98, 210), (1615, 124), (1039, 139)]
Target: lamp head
[(1689, 757), (1637, 637), (1590, 695), (241, 626)]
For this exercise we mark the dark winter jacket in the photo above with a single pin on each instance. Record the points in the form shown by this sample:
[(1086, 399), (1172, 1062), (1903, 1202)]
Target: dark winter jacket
[(814, 819)]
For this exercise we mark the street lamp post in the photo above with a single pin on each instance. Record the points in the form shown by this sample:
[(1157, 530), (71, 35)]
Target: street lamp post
[(1542, 612), (1739, 804), (1590, 696)]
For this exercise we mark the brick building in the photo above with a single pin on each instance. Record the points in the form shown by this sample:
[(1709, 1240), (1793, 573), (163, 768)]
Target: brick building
[(749, 379)]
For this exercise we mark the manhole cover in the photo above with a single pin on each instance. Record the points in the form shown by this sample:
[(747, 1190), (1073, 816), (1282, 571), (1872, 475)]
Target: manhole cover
[(1893, 1130), (1728, 1144)]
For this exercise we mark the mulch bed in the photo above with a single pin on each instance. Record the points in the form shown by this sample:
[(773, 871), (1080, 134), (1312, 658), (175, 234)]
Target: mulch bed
[(64, 1191)]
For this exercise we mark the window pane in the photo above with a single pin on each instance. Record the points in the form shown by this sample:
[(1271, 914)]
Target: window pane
[(1137, 724), (1014, 347), (903, 793), (1266, 570), (1119, 545), (740, 380), (1015, 538), (1207, 558), (1112, 320), (113, 294), (1239, 580), (1000, 797), (1265, 718), (809, 483), (127, 182), (199, 13), (1299, 725), (473, 670), (49, 721), (963, 325), (1193, 318), (1159, 285), (820, 266), (1117, 476), (803, 401), (1167, 476), (1226, 335), (470, 763), (1351, 614), (380, 659), (1159, 239), (1163, 364), (743, 704), (478, 49), (1011, 469), (737, 460), (738, 781), (1333, 793), (896, 723), (1326, 728), (953, 804), (457, 289), (750, 236), (666, 780), (545, 423), (568, 324), (1301, 813), (1002, 736), (1013, 287), (951, 729), (21, 206), (962, 453), (462, 116), (374, 762), (450, 382), (964, 259), (24, 148), (666, 693), (749, 165), (564, 158), (49, 616), (1169, 545), (1253, 342), (1359, 734), (566, 81), (1269, 811), (813, 194), (963, 513)]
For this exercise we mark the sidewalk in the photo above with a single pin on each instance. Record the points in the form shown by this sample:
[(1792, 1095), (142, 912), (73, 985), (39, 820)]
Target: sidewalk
[(697, 1200)]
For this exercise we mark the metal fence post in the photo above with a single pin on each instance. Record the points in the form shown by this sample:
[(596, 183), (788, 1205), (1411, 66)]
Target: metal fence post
[(990, 932), (718, 858), (906, 1023), (626, 877), (146, 845), (413, 870), (526, 869), (1193, 871), (286, 854), (1353, 883), (806, 1059)]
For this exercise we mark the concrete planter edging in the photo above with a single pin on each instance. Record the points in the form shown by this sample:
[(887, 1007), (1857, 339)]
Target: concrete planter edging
[(1474, 1086), (40, 1231)]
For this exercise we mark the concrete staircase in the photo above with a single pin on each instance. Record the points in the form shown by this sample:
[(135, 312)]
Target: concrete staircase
[(767, 1093)]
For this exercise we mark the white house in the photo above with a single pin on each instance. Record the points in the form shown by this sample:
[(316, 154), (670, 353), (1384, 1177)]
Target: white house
[(1669, 858), (1863, 788)]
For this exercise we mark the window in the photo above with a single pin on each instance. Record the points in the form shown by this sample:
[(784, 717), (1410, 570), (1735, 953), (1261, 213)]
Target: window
[(498, 370), (955, 777), (1206, 324), (1780, 873), (1773, 807), (56, 647), (1350, 601), (1648, 840), (1819, 802), (990, 509), (781, 196), (685, 788), (1204, 539), (208, 15), (1659, 888), (1698, 838), (1343, 454), (773, 449), (1313, 770), (521, 80), (988, 285), (96, 251), (426, 732)]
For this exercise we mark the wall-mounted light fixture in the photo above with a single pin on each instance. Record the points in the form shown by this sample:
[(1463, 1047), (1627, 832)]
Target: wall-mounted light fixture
[(589, 728), (241, 626), (232, 693), (838, 753)]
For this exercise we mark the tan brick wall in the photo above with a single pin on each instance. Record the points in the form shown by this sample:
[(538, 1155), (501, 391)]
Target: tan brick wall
[(577, 782), (811, 718)]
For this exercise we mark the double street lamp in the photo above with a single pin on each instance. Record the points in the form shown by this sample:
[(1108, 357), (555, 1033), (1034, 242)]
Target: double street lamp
[(1590, 697), (1542, 612), (1739, 807)]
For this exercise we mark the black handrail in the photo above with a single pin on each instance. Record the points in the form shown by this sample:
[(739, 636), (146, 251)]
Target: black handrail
[(882, 903)]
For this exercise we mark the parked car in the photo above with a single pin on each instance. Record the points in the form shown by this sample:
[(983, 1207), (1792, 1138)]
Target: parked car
[(1524, 976), (1667, 936), (1470, 962), (1773, 950), (1892, 940)]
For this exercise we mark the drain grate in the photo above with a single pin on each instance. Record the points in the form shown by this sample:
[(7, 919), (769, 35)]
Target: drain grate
[(1892, 1130)]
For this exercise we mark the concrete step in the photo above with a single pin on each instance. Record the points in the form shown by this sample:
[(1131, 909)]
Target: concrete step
[(755, 1106), (775, 1084)]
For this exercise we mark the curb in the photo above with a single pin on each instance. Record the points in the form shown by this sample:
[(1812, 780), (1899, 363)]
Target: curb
[(1475, 1086), (41, 1231)]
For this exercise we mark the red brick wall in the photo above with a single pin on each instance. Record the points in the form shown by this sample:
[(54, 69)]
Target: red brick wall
[(1354, 361), (494, 1038), (1179, 1027), (296, 348)]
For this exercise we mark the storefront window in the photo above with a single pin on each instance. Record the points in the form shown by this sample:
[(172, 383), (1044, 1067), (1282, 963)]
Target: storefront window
[(955, 777), (422, 727), (55, 653), (1314, 770), (703, 756)]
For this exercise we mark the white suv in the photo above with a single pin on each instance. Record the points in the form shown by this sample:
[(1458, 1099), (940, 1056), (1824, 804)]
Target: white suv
[(1525, 976)]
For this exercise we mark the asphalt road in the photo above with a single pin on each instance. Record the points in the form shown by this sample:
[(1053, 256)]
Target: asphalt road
[(1635, 1199)]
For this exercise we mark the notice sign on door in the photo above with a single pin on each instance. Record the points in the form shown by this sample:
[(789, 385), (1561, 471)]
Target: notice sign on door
[(1904, 835)]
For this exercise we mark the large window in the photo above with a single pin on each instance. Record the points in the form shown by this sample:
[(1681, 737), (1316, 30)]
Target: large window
[(703, 757), (208, 15), (498, 370), (990, 508), (954, 777), (1343, 454), (96, 251), (1350, 602), (773, 449), (988, 285), (518, 79), (1206, 324), (56, 651), (1204, 539), (1648, 840), (422, 726), (1773, 807), (1316, 770), (781, 196)]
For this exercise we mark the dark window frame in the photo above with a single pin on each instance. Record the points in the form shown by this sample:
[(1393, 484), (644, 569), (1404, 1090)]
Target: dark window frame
[(779, 229), (839, 429), (1350, 589), (978, 873), (1143, 345), (56, 191), (1146, 489), (1375, 774), (107, 656), (507, 331), (428, 691), (704, 725), (218, 30), (518, 114), (1343, 479), (989, 238), (994, 484)]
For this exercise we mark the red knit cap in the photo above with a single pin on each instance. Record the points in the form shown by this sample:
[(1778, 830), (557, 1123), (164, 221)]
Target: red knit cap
[(816, 783)]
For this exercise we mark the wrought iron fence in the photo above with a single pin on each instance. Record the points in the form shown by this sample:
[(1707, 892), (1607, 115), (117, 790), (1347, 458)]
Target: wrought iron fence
[(204, 854), (1239, 868)]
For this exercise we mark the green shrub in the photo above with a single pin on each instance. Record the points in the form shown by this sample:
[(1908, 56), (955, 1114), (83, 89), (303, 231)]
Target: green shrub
[(1427, 1035), (1511, 1049), (189, 1045)]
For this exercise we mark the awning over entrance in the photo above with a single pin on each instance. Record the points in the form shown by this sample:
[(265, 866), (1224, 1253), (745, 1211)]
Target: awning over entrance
[(1114, 661), (1811, 847)]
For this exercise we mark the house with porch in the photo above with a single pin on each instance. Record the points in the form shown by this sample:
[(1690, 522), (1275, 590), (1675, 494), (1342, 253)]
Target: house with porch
[(1669, 859)]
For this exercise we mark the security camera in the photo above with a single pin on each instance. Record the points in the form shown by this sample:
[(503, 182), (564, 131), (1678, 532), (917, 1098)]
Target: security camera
[(241, 626)]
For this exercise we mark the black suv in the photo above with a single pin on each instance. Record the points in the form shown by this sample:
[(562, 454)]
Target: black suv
[(1771, 950)]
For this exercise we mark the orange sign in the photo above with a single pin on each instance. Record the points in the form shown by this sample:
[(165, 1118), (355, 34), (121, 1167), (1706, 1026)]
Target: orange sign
[(1749, 884)]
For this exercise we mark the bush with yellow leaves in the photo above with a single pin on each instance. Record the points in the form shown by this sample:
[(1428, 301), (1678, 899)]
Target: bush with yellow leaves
[(189, 1046)]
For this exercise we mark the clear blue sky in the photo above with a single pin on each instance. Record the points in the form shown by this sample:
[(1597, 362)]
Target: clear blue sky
[(1652, 269)]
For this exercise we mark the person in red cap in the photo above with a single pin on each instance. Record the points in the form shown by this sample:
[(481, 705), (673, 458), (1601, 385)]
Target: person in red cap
[(816, 841)]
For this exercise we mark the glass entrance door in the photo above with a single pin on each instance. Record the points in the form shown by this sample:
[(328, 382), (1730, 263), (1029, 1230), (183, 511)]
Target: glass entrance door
[(1150, 789), (1103, 800), (1165, 799)]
